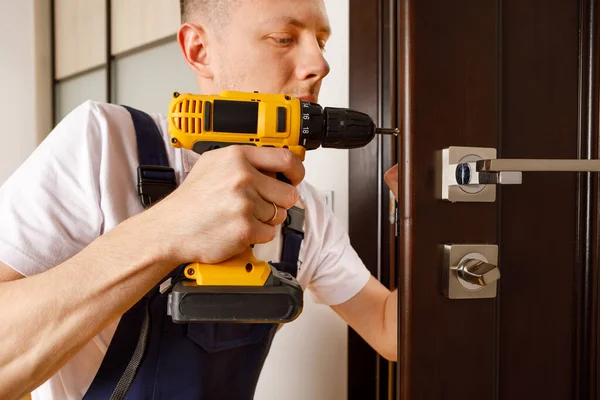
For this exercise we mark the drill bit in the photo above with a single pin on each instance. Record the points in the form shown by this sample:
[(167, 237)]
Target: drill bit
[(386, 131)]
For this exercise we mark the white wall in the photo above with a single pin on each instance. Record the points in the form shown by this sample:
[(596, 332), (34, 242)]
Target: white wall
[(18, 136), (25, 80)]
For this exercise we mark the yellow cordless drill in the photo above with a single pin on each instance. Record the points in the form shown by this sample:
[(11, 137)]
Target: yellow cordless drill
[(244, 289)]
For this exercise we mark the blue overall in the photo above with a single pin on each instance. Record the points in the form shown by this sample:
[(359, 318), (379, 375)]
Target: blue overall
[(181, 361)]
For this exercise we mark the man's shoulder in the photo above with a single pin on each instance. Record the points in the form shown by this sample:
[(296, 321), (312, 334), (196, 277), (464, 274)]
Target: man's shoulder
[(107, 111), (96, 122), (93, 108), (98, 132)]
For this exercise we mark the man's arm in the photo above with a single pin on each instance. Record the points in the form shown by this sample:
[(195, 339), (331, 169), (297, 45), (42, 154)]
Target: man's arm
[(53, 314), (8, 274), (372, 313), (48, 317)]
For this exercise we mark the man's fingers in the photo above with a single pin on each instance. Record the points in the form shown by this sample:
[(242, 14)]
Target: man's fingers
[(263, 233), (276, 191), (276, 160), (270, 213), (391, 178)]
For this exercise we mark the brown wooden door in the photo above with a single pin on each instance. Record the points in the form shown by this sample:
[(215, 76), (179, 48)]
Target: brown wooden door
[(519, 76)]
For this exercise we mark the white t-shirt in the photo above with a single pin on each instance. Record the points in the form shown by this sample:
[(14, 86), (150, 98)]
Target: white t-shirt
[(81, 182)]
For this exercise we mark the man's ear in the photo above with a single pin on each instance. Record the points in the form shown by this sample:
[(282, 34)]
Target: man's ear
[(193, 43)]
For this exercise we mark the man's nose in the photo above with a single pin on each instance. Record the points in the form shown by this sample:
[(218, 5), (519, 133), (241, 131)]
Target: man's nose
[(312, 64)]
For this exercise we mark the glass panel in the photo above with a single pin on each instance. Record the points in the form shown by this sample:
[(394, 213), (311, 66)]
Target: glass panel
[(146, 80), (70, 93)]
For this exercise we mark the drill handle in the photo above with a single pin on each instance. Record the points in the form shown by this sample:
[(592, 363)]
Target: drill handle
[(241, 270)]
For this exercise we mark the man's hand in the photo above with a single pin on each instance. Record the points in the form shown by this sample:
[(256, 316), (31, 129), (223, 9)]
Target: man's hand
[(391, 178), (226, 201)]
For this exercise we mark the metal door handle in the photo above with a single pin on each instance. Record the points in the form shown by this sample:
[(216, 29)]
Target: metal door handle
[(506, 164), (469, 174), (508, 171)]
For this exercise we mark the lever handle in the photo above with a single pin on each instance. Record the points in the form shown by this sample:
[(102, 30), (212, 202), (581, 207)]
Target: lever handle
[(470, 174), (508, 171), (541, 165), (475, 274)]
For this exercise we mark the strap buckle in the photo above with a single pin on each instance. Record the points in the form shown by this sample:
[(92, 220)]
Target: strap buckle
[(294, 221), (154, 183)]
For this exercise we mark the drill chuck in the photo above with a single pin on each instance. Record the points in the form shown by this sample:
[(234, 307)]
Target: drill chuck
[(347, 129), (338, 128)]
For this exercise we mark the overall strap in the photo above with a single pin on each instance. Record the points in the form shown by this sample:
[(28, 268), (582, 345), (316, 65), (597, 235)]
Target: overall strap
[(128, 346), (293, 233), (155, 178)]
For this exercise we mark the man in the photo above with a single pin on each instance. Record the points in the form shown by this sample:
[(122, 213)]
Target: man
[(77, 250)]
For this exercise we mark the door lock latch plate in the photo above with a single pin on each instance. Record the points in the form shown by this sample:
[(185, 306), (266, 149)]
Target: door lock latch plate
[(478, 263), (447, 187)]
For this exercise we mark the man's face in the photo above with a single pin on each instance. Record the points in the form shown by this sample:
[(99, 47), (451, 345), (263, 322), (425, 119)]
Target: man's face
[(273, 46)]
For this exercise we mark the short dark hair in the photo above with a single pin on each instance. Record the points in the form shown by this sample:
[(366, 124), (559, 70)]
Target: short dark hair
[(186, 8), (205, 10)]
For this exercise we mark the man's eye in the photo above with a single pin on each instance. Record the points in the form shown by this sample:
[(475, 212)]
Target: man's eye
[(284, 41), (322, 44)]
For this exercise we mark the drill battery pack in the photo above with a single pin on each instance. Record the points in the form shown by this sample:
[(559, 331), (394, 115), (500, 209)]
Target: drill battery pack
[(279, 300)]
